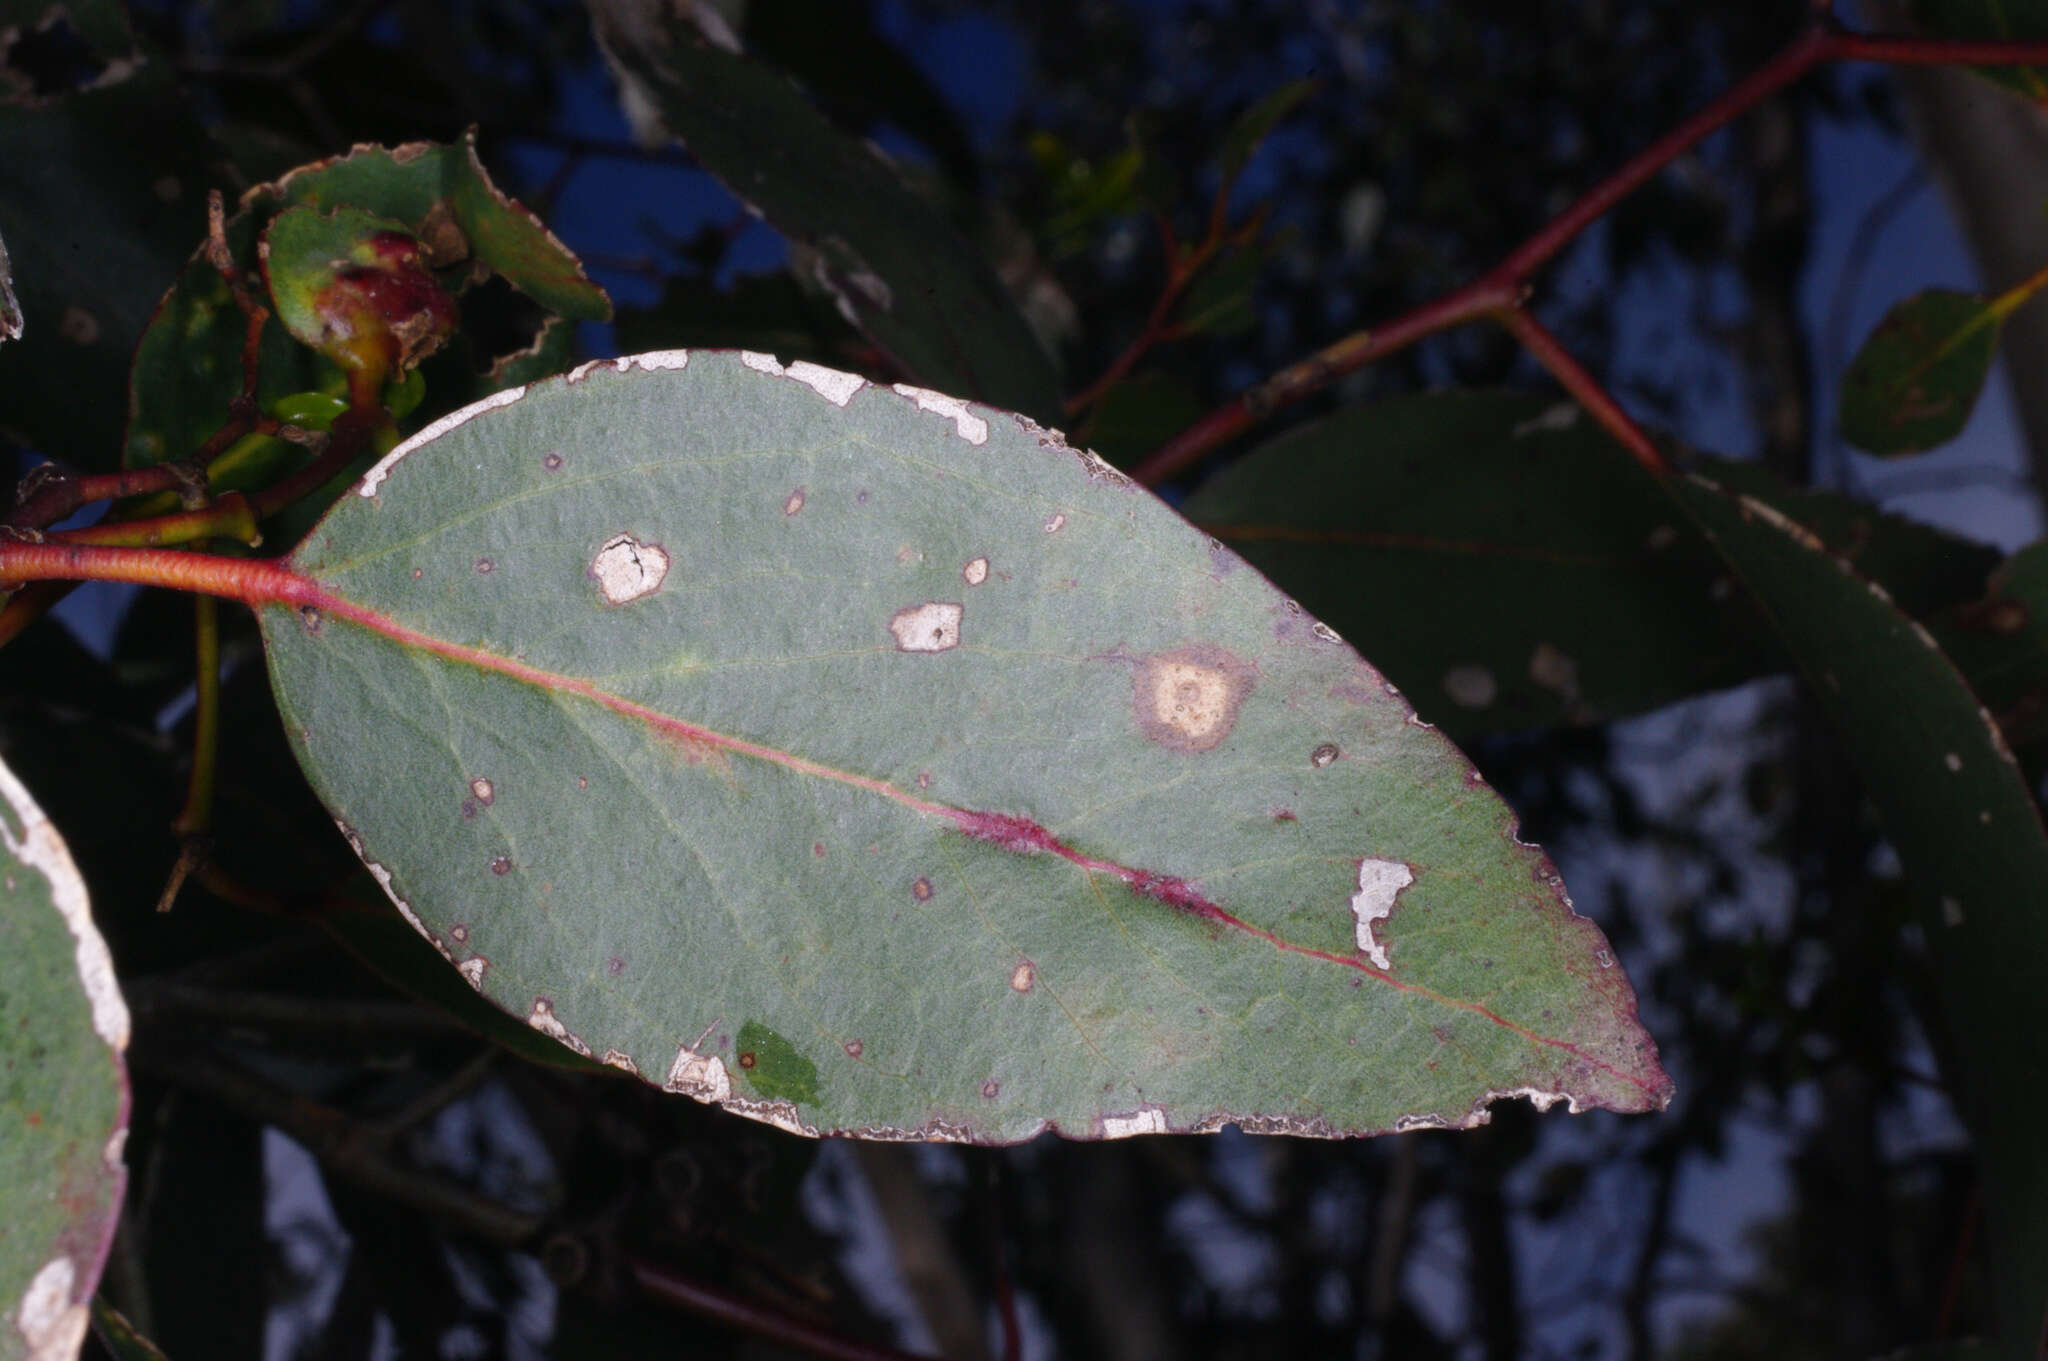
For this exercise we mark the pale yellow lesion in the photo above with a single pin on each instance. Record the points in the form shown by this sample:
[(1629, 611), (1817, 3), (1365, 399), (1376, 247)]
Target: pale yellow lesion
[(1189, 699)]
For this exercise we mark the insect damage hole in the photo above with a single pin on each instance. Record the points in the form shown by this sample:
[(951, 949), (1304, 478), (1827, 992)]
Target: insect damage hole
[(931, 627), (1379, 883), (627, 569), (1189, 699)]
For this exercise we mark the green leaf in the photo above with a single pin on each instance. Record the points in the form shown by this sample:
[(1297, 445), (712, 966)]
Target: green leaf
[(189, 363), (1968, 832), (1507, 568), (113, 1329), (1256, 123), (2001, 643), (1220, 301), (1915, 382), (63, 1088), (102, 194), (688, 693), (911, 283)]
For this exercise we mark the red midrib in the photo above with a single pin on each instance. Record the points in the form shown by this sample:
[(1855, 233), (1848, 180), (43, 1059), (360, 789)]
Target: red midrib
[(1016, 834)]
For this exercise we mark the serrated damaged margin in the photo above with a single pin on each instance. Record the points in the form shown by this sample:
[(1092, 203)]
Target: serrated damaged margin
[(383, 878), (53, 1312)]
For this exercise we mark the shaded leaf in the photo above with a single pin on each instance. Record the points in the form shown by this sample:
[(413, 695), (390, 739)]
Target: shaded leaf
[(2001, 643), (1219, 302), (119, 1335), (1256, 123), (63, 1089), (679, 695), (1967, 831), (1140, 414), (898, 269), (102, 194), (1507, 568), (1915, 381)]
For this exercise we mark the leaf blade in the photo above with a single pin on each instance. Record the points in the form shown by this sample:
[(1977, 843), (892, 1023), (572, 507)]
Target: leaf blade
[(974, 812)]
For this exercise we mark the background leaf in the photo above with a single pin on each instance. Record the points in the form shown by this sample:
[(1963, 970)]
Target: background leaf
[(679, 698), (1499, 560), (63, 1090), (1969, 834), (1915, 382), (898, 269)]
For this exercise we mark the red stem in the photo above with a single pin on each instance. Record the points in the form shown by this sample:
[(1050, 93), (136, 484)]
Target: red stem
[(1572, 375), (1822, 41), (735, 1311), (253, 581)]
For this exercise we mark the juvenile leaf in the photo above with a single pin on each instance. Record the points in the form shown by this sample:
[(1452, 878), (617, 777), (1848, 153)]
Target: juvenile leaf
[(1915, 382), (1256, 123), (900, 272), (355, 287), (63, 1089), (188, 364), (1968, 833), (687, 695), (1507, 569)]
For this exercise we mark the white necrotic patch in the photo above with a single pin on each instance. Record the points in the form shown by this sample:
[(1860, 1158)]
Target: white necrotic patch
[(972, 428), (627, 569), (975, 572), (1144, 1120), (52, 1323), (433, 431), (1562, 416), (1379, 883), (543, 1019), (835, 387), (472, 969), (41, 849), (700, 1075), (931, 627)]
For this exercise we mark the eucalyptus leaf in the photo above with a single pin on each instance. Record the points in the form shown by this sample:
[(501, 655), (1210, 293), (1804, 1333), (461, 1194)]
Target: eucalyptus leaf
[(63, 1089), (870, 762)]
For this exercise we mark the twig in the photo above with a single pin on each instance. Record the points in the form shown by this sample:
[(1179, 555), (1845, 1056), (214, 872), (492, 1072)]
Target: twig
[(745, 1315), (1583, 386), (1823, 40), (352, 1151)]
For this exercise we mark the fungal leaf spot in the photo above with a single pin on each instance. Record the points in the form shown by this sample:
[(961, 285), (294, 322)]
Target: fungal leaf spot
[(1189, 699), (627, 569), (1022, 977), (778, 1071), (1379, 883), (975, 572), (931, 627)]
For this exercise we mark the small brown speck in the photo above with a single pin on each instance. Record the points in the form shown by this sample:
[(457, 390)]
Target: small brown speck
[(615, 965), (924, 779), (485, 566), (485, 793), (469, 808), (1323, 755), (747, 1059), (922, 890), (309, 619), (551, 462), (583, 782), (417, 574), (852, 1048), (795, 502), (502, 865), (1021, 977), (818, 849), (989, 1089), (459, 933)]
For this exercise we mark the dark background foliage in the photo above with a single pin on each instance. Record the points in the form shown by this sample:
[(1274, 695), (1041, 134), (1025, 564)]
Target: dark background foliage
[(1723, 845)]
